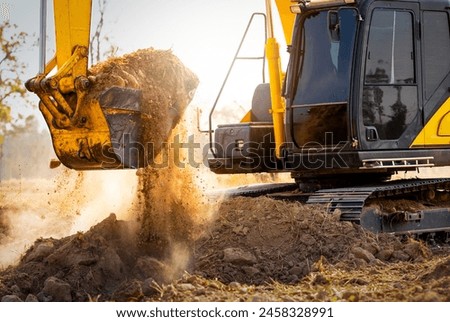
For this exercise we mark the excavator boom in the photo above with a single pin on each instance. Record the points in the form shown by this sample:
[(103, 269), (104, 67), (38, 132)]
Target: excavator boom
[(287, 18)]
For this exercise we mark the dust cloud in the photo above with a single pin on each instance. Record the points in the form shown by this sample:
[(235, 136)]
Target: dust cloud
[(69, 203)]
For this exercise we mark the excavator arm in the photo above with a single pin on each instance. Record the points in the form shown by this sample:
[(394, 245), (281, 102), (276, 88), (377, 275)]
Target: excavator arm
[(72, 26), (82, 130)]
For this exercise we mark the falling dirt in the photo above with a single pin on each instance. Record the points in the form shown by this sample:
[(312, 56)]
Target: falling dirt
[(167, 86), (178, 242)]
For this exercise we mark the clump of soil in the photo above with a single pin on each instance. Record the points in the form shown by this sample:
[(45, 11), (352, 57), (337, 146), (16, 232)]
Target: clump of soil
[(167, 87)]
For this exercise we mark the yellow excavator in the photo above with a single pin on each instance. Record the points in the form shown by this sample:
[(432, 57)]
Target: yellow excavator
[(365, 95)]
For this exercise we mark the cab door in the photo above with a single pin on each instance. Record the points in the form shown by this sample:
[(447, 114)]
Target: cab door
[(389, 113)]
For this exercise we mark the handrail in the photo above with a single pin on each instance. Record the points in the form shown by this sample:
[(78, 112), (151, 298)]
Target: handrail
[(237, 57)]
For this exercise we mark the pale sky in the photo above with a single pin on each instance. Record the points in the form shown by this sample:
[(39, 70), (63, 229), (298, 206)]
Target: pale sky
[(204, 34)]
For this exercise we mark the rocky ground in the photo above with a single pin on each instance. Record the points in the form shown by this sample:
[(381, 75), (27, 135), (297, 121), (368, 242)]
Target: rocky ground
[(253, 249)]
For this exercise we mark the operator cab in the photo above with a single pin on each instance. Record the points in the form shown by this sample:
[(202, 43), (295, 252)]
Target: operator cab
[(366, 92)]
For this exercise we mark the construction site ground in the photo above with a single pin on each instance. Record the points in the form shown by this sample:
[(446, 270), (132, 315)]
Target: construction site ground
[(234, 249)]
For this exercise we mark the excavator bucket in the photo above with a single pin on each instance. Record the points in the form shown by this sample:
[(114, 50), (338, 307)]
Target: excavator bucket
[(105, 134), (99, 124)]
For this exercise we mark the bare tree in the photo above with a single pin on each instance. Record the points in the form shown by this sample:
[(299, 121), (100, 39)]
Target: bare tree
[(12, 69), (97, 40)]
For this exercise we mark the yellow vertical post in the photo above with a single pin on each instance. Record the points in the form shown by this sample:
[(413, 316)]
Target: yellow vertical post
[(274, 66)]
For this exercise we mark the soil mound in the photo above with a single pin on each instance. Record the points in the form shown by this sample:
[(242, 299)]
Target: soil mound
[(105, 263), (257, 240)]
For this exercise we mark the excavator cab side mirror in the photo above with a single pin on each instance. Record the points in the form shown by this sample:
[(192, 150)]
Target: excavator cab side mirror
[(333, 25)]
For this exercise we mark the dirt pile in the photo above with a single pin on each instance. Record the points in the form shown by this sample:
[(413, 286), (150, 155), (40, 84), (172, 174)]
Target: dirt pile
[(257, 240), (268, 250), (107, 261)]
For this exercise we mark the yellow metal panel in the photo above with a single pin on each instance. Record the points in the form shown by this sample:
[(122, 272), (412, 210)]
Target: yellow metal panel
[(437, 129), (72, 27), (444, 125), (287, 18), (247, 117)]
